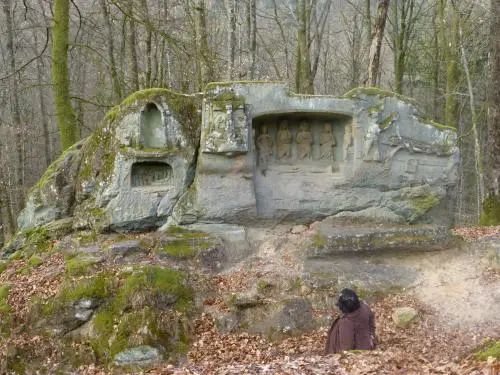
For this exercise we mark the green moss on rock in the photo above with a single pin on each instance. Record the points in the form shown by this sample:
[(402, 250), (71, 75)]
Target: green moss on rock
[(143, 313), (35, 261), (423, 204), (78, 266), (319, 241)]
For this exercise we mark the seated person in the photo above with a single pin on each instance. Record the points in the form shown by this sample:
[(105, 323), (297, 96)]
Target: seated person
[(355, 328)]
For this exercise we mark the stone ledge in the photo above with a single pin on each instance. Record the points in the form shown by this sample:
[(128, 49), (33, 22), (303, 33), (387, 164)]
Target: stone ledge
[(334, 240)]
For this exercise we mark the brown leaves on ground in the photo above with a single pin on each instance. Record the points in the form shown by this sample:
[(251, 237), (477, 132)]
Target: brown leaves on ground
[(471, 234)]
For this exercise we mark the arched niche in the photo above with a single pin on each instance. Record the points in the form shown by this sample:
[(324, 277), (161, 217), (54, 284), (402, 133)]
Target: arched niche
[(150, 173), (152, 128)]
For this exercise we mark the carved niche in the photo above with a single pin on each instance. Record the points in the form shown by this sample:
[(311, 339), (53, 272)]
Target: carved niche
[(227, 129), (150, 173), (318, 140), (151, 127)]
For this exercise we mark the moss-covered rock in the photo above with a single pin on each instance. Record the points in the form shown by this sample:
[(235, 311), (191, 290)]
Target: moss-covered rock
[(490, 349)]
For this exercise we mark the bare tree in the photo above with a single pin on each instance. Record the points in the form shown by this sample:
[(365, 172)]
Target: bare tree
[(376, 46)]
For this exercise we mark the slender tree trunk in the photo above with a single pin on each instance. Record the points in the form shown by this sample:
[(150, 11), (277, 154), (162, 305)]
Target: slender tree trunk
[(132, 50), (376, 46), (252, 36), (204, 60), (231, 42), (111, 50), (60, 78), (491, 205), (149, 45), (303, 81), (436, 71), (15, 108), (368, 22), (452, 73), (43, 116)]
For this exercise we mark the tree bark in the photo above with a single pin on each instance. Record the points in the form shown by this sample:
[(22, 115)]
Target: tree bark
[(15, 108), (60, 78), (491, 205), (303, 79), (111, 51), (231, 42), (377, 38), (132, 49), (204, 61), (452, 74), (252, 36)]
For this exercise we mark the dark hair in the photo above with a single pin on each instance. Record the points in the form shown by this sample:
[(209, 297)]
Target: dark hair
[(348, 301)]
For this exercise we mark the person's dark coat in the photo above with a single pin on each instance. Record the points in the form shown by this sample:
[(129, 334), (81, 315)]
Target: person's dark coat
[(355, 330)]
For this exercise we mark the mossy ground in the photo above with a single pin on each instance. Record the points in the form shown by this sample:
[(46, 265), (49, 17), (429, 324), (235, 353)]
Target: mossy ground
[(77, 265), (319, 241), (185, 243), (142, 313), (491, 349)]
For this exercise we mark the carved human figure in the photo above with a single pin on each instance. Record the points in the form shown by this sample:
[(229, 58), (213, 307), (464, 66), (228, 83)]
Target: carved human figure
[(304, 141), (327, 142), (265, 146), (284, 141), (348, 140), (371, 147)]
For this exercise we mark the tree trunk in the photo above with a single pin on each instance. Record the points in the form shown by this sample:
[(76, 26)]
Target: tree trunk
[(60, 78), (149, 44), (452, 74), (377, 38), (132, 50), (303, 79), (491, 205), (111, 51), (252, 36), (368, 22), (231, 42), (204, 61), (15, 108)]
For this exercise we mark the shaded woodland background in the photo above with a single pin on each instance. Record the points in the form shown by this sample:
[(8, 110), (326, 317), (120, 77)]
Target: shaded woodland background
[(440, 52)]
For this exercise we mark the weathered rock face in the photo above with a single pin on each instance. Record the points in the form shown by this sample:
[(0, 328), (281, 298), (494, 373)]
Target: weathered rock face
[(257, 152), (365, 157), (129, 174)]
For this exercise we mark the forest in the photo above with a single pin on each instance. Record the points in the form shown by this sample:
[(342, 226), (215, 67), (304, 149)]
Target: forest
[(64, 64)]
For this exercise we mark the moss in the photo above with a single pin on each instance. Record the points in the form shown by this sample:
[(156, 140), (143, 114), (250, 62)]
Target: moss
[(388, 120), (38, 239), (78, 266), (214, 85), (490, 349), (35, 261), (17, 255), (423, 204), (491, 211), (319, 241), (3, 265), (436, 124), (137, 315), (4, 294), (375, 108), (24, 271), (98, 287), (375, 91)]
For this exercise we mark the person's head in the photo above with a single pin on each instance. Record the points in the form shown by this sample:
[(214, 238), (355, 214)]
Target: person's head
[(348, 301)]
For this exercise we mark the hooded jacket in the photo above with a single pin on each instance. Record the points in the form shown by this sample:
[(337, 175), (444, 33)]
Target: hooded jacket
[(355, 330)]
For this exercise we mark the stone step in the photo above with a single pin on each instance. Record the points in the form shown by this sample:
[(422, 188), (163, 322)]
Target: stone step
[(330, 240)]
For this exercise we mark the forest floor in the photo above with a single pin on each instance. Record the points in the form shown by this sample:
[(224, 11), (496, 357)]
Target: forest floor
[(457, 296)]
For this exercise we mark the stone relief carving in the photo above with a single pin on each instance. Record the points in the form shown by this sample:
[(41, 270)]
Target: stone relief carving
[(228, 130), (327, 142), (348, 141), (371, 150), (284, 141), (265, 146), (150, 173), (304, 141)]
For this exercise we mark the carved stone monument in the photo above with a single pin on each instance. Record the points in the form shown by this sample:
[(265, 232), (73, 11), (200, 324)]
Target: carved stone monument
[(304, 141), (265, 146), (327, 143), (284, 141)]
